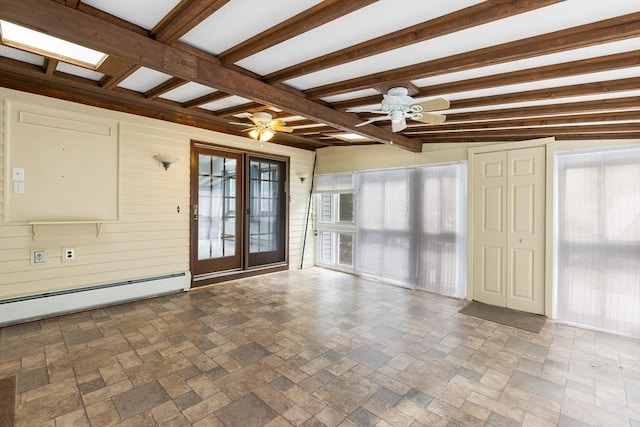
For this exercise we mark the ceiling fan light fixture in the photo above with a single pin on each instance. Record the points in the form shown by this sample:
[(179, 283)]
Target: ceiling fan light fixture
[(265, 135)]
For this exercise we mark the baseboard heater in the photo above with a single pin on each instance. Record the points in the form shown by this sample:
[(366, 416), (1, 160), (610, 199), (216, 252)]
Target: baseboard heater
[(30, 307)]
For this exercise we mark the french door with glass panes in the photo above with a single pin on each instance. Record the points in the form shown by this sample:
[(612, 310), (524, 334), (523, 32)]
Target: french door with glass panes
[(239, 211)]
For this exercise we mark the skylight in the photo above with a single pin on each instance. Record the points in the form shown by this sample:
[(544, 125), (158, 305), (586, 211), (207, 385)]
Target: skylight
[(41, 44)]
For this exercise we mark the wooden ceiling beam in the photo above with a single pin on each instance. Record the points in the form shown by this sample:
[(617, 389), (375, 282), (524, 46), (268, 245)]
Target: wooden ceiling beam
[(504, 139), (566, 69), (618, 128), (536, 121), (238, 109), (320, 14), (50, 65), (609, 30), (479, 14), (165, 87), (30, 78), (594, 88), (110, 82), (622, 103), (205, 99), (74, 26), (184, 17)]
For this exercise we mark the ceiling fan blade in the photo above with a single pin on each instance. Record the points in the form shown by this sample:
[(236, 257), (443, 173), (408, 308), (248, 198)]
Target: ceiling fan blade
[(399, 126), (281, 128), (240, 123), (431, 118), (435, 104), (357, 110), (374, 119)]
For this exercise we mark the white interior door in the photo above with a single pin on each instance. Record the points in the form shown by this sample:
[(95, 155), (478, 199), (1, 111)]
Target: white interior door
[(508, 228), (526, 229), (489, 228)]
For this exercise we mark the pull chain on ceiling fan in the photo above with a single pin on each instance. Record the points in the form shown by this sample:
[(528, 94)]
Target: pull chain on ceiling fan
[(398, 106)]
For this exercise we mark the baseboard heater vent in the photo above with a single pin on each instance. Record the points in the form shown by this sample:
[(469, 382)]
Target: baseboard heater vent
[(29, 307)]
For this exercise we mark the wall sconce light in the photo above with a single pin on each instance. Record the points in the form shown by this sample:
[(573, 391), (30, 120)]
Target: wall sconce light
[(166, 160), (303, 176)]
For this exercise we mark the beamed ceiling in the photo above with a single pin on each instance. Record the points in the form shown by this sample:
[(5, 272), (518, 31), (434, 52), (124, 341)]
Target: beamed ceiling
[(511, 69)]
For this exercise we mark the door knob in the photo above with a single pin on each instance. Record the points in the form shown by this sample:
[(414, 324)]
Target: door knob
[(521, 240)]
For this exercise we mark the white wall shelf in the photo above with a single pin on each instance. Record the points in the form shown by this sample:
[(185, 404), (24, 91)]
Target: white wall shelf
[(36, 224)]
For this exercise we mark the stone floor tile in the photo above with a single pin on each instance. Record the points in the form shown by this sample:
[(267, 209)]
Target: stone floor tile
[(353, 357), (140, 399), (247, 411), (206, 407)]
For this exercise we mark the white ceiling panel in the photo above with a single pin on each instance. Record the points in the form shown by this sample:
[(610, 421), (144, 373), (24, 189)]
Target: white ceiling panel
[(144, 79), (20, 55), (231, 101), (79, 71), (144, 13), (187, 92)]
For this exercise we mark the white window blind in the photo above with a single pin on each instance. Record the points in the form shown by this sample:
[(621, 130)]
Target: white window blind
[(411, 227), (442, 243), (337, 182), (386, 242), (598, 240)]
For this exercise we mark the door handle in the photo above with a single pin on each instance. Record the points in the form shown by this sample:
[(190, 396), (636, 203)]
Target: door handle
[(521, 240), (195, 211)]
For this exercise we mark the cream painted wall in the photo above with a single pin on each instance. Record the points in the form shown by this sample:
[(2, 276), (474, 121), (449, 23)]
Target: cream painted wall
[(150, 238)]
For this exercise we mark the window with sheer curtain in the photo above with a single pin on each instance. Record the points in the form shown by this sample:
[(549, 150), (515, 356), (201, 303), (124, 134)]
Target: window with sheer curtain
[(442, 240), (410, 227), (598, 239)]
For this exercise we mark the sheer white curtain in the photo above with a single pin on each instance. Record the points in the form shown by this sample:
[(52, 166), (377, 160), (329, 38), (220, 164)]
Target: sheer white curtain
[(411, 227), (598, 239), (442, 225), (386, 215)]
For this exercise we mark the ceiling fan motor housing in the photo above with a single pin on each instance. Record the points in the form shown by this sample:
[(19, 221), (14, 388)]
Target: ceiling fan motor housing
[(397, 99)]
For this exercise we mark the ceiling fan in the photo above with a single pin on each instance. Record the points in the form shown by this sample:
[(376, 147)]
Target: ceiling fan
[(398, 106), (264, 126)]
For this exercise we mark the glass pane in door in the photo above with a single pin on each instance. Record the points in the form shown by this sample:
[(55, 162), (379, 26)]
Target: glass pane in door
[(217, 231), (266, 225)]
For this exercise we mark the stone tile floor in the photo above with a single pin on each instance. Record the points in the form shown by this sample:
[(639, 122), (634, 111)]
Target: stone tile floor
[(313, 347)]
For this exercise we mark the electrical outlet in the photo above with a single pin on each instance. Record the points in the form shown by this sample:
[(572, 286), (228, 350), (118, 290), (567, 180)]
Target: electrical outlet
[(68, 254), (18, 174), (38, 256), (18, 187)]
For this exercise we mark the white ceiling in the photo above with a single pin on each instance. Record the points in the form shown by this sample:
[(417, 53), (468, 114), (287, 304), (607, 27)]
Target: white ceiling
[(239, 21)]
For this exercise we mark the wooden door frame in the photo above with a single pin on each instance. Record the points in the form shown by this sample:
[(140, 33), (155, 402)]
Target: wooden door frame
[(217, 277), (284, 205), (196, 149), (549, 178)]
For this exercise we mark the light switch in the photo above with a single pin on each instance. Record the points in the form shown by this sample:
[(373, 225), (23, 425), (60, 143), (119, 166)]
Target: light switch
[(18, 174)]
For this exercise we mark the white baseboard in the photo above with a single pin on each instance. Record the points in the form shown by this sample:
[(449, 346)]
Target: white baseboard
[(31, 307)]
